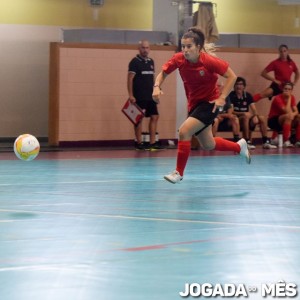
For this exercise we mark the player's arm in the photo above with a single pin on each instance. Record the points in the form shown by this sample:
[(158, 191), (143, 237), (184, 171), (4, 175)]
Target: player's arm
[(230, 110), (296, 78), (294, 106), (287, 108), (130, 77), (160, 78), (230, 114), (229, 83), (265, 74), (253, 109), (228, 86), (295, 110)]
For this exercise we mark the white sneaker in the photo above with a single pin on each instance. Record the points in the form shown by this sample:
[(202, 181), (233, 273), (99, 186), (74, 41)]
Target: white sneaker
[(173, 177), (244, 150), (287, 144), (269, 146), (297, 144)]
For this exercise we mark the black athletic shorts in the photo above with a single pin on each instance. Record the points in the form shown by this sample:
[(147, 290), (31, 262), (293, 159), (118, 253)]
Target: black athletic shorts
[(203, 112), (274, 124), (150, 107)]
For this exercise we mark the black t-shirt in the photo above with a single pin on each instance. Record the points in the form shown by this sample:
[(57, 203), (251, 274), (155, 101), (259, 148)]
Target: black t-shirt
[(144, 77), (240, 104)]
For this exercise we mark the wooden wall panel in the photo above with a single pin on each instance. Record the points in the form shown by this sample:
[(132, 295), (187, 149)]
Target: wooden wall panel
[(249, 63), (90, 87)]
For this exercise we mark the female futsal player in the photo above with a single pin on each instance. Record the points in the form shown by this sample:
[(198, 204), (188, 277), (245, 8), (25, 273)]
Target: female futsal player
[(283, 68), (284, 115), (199, 71)]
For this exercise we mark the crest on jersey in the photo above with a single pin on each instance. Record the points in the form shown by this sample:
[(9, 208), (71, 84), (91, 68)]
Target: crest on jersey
[(202, 73)]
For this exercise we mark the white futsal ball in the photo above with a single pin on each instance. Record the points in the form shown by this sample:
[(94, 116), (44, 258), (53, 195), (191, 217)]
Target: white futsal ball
[(26, 147)]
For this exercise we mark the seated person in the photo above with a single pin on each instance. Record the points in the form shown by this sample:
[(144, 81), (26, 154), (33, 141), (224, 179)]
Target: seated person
[(227, 121), (284, 115), (245, 110)]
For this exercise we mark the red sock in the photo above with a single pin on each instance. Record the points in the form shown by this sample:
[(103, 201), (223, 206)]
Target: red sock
[(257, 97), (298, 133), (286, 131), (225, 145), (183, 152)]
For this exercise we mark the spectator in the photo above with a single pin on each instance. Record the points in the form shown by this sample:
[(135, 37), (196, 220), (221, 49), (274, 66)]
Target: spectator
[(244, 108), (140, 81), (227, 121)]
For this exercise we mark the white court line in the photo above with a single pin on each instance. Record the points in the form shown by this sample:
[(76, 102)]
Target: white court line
[(224, 177), (54, 267), (150, 219)]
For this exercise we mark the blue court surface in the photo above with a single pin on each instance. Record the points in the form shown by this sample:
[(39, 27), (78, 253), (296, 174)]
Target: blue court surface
[(105, 225)]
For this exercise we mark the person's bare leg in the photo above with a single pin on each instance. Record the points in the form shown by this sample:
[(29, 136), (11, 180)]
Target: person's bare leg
[(153, 128)]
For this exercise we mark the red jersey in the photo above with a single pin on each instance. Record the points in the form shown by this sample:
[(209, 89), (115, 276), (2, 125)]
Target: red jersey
[(283, 70), (278, 104), (199, 79)]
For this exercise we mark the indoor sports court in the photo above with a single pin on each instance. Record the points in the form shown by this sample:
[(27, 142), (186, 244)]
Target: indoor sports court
[(86, 224), (91, 219)]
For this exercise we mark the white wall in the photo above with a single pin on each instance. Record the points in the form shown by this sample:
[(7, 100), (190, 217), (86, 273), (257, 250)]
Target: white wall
[(165, 17), (24, 67)]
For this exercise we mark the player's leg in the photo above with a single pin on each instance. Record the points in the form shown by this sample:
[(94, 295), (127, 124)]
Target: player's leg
[(199, 123), (153, 128), (208, 142), (274, 124), (215, 126), (138, 136), (266, 93), (264, 133), (152, 111), (234, 123), (286, 123), (296, 124), (189, 127)]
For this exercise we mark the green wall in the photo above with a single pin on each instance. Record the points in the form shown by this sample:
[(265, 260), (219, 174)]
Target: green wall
[(123, 14), (255, 16), (233, 16)]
